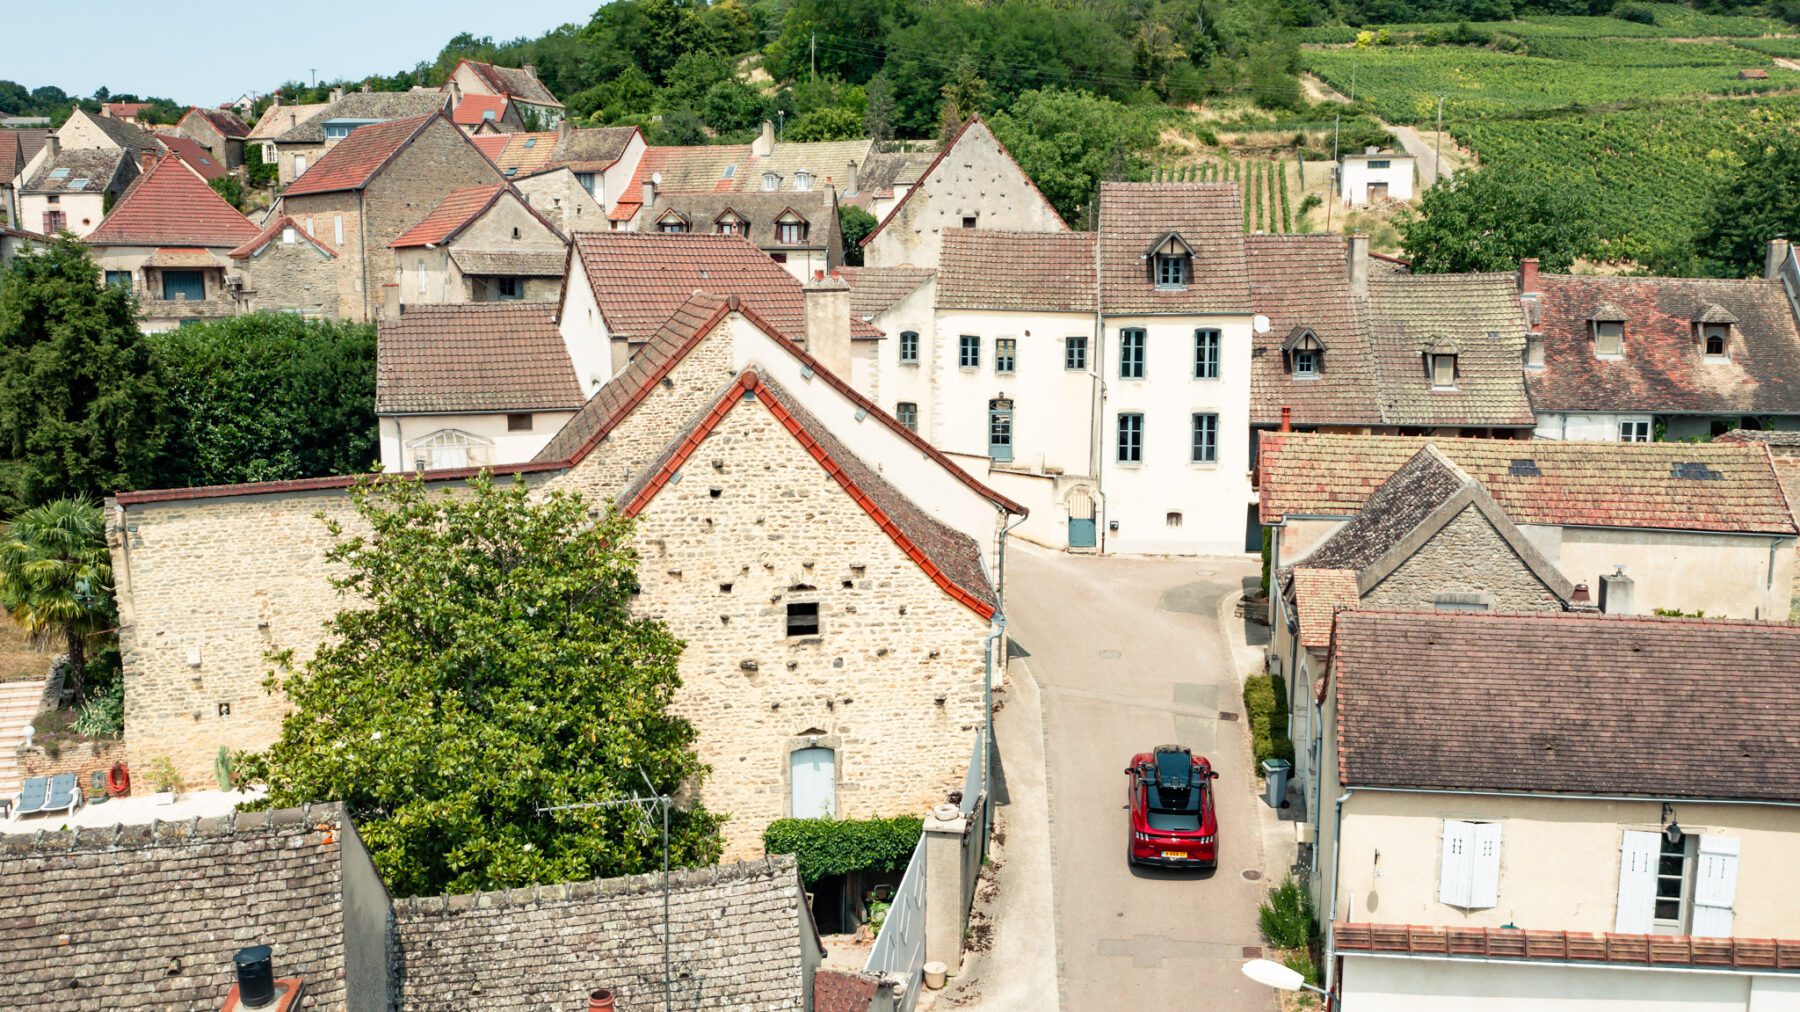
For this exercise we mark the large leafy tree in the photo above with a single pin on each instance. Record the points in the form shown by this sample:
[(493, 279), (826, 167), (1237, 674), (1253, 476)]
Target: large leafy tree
[(56, 577), (1758, 201), (1489, 219), (495, 671), (855, 223), (267, 396), (81, 410), (1068, 141)]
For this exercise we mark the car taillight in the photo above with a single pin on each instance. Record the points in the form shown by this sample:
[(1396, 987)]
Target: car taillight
[(1141, 837), (1205, 840)]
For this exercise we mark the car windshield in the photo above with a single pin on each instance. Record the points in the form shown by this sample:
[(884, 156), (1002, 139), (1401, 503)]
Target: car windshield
[(1173, 811)]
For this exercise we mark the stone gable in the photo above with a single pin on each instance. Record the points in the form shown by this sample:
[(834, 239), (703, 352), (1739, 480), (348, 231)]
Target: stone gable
[(1467, 556), (292, 276)]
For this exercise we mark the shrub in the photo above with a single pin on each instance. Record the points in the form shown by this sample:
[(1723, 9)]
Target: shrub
[(1301, 962), (825, 847), (1286, 915), (1642, 14), (1265, 706), (103, 716)]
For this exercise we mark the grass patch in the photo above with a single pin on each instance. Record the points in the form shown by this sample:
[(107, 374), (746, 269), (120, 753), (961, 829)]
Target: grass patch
[(1265, 706)]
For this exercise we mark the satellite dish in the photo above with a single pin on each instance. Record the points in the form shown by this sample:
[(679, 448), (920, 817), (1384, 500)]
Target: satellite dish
[(1259, 323)]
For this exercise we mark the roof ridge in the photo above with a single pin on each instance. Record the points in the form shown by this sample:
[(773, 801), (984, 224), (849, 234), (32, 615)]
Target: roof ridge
[(1576, 616), (159, 832), (773, 866)]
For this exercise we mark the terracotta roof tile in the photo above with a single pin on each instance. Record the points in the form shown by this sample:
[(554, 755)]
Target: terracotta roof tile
[(1745, 955), (951, 558), (89, 169), (455, 212), (522, 154), (514, 81), (1413, 492), (359, 157), (1208, 217), (1480, 315), (1319, 594), (473, 110), (12, 156), (491, 145), (169, 205), (189, 150), (639, 278), (1565, 702), (1664, 368), (279, 119), (1671, 486), (761, 210), (272, 230), (988, 269), (1302, 281), (520, 263), (483, 356), (226, 122), (875, 290), (592, 149)]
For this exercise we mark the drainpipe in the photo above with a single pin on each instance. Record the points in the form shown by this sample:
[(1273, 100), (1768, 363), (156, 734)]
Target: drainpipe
[(1337, 844), (987, 681), (362, 241)]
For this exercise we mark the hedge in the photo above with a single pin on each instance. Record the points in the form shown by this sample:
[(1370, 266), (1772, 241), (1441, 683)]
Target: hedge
[(825, 847), (1265, 704)]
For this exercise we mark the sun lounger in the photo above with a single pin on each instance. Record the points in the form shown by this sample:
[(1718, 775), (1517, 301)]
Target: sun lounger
[(60, 793), (32, 795)]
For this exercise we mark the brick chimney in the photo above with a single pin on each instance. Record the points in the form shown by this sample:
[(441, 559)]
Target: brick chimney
[(1777, 255), (764, 144), (1528, 276), (1287, 418), (850, 178), (828, 322), (1359, 264)]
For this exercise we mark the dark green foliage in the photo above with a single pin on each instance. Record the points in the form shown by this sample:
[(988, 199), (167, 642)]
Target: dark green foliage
[(855, 224), (837, 846), (1287, 916), (1488, 220), (1069, 141), (1267, 557), (1755, 202), (733, 105), (229, 188), (496, 671), (1265, 705), (81, 410), (834, 123), (267, 396), (257, 171)]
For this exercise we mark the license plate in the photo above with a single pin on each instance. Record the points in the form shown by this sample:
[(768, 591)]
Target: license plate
[(1175, 855)]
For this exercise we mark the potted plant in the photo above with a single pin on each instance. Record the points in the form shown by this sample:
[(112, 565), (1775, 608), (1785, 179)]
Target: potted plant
[(96, 792), (165, 778)]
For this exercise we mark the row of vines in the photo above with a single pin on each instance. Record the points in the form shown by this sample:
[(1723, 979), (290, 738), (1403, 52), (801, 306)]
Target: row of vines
[(1262, 182)]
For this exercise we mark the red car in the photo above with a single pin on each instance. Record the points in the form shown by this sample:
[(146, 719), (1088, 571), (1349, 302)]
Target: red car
[(1172, 818)]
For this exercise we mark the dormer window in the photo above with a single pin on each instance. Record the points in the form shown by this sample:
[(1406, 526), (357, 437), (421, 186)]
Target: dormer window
[(672, 223), (771, 182), (802, 180), (790, 230), (730, 224), (1712, 328), (1440, 363), (1304, 353), (1608, 322), (1171, 262)]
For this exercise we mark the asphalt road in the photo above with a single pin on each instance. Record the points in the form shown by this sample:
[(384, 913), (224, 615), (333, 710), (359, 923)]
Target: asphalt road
[(1129, 655)]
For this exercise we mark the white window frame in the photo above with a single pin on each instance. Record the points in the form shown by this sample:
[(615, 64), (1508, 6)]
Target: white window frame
[(338, 230), (1443, 372), (1707, 331), (1634, 430)]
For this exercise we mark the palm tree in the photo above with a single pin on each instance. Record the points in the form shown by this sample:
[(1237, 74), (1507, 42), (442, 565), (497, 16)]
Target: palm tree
[(56, 576)]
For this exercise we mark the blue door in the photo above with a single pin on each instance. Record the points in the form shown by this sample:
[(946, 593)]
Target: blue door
[(1000, 433), (1082, 532), (188, 284)]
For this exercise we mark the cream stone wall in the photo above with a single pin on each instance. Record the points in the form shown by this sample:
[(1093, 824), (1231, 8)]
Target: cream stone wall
[(893, 681), (1466, 556), (294, 276), (1559, 859), (1728, 575), (1432, 985), (558, 196)]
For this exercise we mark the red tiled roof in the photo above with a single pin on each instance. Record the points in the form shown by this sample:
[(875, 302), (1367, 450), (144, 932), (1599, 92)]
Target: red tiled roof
[(189, 150), (491, 145), (1207, 216), (1568, 702), (679, 335), (12, 156), (513, 81), (271, 231), (640, 278), (875, 290), (1746, 954), (523, 154), (474, 109), (944, 152), (359, 157), (121, 110), (1320, 593), (1663, 368), (474, 357), (1719, 487), (982, 268), (1303, 282), (952, 560), (454, 213), (169, 205), (224, 121)]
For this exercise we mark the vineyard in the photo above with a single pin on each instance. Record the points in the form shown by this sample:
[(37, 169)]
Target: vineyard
[(1672, 22), (1262, 182)]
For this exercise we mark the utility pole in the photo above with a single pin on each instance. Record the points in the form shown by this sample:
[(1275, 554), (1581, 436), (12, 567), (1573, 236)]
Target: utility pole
[(1437, 160), (814, 48), (314, 71)]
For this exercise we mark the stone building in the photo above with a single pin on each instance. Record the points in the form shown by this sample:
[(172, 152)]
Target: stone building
[(972, 183), (287, 268), (797, 230), (833, 622), (536, 107), (300, 147), (276, 120), (219, 131), (480, 244), (301, 882), (377, 183)]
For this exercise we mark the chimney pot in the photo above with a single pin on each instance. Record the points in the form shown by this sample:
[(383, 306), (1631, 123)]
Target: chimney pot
[(601, 1000), (1287, 418), (1778, 254), (255, 976), (1528, 276), (1581, 595), (337, 93)]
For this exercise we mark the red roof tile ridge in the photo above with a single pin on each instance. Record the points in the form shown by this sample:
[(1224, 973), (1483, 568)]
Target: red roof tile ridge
[(271, 230)]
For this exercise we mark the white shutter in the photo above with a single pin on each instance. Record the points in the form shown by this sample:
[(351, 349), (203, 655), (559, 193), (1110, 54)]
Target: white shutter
[(1484, 878), (1715, 886), (1453, 880), (814, 775), (338, 230), (1637, 882)]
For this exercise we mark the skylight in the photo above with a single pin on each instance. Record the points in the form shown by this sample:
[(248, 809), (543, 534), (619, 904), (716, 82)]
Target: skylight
[(531, 142), (78, 184), (59, 173), (730, 170), (1694, 472), (1524, 468)]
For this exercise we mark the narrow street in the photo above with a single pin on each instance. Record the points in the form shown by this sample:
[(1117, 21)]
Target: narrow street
[(1129, 655)]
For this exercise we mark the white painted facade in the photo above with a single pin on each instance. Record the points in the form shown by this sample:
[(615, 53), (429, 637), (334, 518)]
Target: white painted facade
[(82, 212), (1373, 178), (464, 440), (592, 351), (884, 378), (1399, 983), (1613, 427), (1049, 406)]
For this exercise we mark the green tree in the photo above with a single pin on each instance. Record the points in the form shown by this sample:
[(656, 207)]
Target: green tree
[(267, 396), (56, 577), (1068, 141), (496, 670), (81, 411), (855, 223), (733, 105), (229, 188), (1488, 219), (1756, 202), (834, 123)]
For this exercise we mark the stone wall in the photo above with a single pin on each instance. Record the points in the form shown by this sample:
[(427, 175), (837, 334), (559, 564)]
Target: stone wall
[(740, 939), (440, 159), (320, 214), (292, 276), (559, 197), (1466, 557), (82, 758), (893, 680)]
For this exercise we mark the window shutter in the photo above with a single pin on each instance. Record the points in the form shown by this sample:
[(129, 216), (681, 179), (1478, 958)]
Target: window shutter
[(1484, 882), (1637, 882), (1715, 886), (1453, 880)]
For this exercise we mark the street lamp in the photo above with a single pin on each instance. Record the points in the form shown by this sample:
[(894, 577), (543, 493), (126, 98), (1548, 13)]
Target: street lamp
[(1272, 974)]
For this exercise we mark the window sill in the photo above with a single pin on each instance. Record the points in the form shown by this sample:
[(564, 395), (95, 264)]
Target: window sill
[(1717, 359), (914, 362), (1446, 390), (1609, 358), (812, 640), (1005, 372), (1206, 379), (1305, 377), (1203, 465), (1133, 464)]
